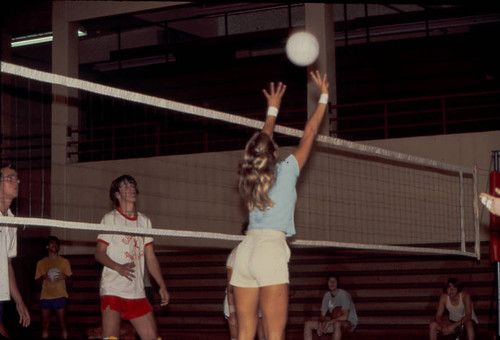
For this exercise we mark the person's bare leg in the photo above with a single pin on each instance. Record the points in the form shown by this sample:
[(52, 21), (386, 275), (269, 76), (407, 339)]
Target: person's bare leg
[(145, 326), (111, 321), (3, 331), (434, 329), (247, 302), (45, 322), (233, 330), (274, 305), (337, 331), (61, 315), (469, 328), (339, 327), (261, 333), (309, 327)]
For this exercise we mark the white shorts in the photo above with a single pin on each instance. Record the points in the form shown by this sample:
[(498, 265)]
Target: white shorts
[(261, 259)]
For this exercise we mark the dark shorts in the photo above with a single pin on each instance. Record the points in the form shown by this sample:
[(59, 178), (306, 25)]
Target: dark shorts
[(1, 311), (460, 330), (128, 308), (53, 303)]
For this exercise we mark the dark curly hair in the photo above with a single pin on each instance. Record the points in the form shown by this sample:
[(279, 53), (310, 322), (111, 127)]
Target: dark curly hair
[(6, 166), (453, 281), (55, 238), (115, 187), (335, 275)]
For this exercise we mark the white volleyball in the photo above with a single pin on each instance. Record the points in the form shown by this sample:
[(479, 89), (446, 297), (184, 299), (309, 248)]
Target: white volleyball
[(53, 273), (302, 48)]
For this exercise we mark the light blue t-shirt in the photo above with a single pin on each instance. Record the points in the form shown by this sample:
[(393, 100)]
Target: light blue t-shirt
[(342, 299), (284, 196)]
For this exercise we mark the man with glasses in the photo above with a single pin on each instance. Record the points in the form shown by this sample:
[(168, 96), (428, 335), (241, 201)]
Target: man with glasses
[(9, 189)]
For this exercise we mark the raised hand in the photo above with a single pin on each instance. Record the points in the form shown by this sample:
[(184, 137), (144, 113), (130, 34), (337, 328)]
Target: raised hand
[(320, 81), (275, 94)]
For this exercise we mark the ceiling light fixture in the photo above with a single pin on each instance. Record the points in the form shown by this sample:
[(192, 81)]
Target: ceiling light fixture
[(38, 38)]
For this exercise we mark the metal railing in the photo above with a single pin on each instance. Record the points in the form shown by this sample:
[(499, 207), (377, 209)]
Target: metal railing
[(399, 118), (421, 116)]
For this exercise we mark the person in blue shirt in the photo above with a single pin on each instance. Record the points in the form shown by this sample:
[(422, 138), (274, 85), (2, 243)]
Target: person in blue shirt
[(267, 187), (338, 313)]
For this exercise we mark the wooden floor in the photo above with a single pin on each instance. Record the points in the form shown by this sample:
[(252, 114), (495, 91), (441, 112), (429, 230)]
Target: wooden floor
[(395, 294)]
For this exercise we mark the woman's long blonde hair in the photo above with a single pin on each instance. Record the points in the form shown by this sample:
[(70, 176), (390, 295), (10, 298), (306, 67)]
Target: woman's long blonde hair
[(257, 171)]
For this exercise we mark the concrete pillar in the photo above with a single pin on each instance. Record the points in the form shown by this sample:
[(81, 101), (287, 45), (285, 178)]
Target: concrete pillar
[(319, 21), (6, 101), (66, 16), (64, 100)]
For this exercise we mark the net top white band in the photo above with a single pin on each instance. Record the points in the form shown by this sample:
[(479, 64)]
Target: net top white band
[(51, 78), (96, 227)]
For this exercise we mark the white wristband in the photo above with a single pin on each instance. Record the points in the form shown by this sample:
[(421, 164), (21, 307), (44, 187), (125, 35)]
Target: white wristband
[(323, 99), (272, 111)]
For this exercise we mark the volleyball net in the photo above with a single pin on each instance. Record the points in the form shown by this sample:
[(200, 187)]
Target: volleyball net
[(69, 138)]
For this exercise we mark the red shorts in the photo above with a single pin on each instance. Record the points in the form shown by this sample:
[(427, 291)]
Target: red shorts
[(128, 308)]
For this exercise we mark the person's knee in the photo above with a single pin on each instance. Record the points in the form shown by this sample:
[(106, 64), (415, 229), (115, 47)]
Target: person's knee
[(146, 326), (45, 321), (337, 326), (470, 326), (310, 324), (148, 333)]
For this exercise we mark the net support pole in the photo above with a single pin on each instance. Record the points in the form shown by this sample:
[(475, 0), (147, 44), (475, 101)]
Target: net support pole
[(495, 234), (462, 212)]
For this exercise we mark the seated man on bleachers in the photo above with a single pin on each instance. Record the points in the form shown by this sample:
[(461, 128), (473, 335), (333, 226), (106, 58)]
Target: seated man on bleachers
[(460, 309), (338, 313)]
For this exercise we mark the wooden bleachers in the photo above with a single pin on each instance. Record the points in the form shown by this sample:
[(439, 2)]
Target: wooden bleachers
[(395, 294)]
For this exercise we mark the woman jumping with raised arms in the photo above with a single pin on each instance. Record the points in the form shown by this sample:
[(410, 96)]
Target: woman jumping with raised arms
[(260, 272)]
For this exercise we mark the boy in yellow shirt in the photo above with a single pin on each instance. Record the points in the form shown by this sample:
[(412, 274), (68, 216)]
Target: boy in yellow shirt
[(54, 274)]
